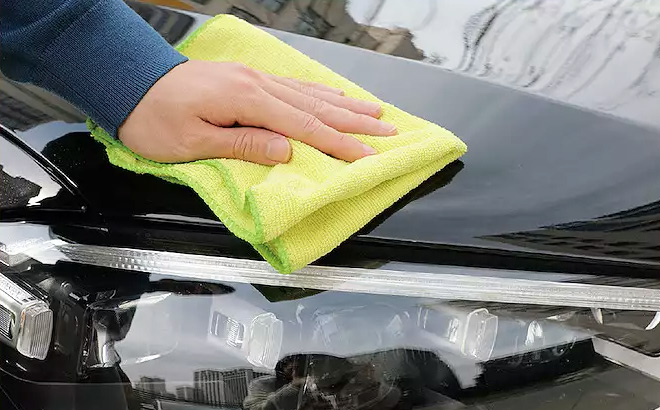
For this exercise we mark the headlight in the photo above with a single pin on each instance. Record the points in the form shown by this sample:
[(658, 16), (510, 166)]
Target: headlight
[(453, 330), (26, 322)]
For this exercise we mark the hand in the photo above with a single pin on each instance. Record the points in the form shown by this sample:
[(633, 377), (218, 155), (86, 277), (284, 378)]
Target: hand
[(204, 109)]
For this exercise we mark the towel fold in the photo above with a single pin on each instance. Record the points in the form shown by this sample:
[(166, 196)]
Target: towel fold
[(295, 213)]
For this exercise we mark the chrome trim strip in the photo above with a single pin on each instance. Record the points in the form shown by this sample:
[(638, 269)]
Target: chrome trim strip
[(445, 284)]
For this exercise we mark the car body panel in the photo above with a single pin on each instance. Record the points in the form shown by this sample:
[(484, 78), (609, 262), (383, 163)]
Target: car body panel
[(540, 176), (557, 186)]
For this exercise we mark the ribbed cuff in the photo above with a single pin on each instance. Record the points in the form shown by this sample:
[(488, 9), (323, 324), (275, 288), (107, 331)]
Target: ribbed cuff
[(105, 62)]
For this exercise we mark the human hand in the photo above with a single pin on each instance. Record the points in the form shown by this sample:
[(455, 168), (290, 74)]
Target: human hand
[(204, 109)]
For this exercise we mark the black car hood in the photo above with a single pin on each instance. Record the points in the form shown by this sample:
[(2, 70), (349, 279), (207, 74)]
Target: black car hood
[(540, 176)]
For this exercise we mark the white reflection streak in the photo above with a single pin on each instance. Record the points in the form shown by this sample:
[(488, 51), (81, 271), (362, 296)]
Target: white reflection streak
[(147, 358), (145, 300), (654, 322)]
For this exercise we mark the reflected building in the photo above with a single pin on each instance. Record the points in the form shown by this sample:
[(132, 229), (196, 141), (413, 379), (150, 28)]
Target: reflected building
[(227, 387), (326, 19), (396, 42), (211, 387), (208, 387), (150, 389), (153, 385), (24, 106), (630, 234), (185, 393)]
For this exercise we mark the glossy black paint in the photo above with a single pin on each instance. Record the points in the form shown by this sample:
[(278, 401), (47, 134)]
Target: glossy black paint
[(146, 212), (85, 298), (34, 180), (546, 186), (533, 165)]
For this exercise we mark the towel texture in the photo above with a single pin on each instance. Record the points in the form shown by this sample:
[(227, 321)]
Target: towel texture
[(295, 213)]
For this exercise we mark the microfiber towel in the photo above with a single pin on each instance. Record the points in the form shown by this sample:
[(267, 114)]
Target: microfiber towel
[(294, 213)]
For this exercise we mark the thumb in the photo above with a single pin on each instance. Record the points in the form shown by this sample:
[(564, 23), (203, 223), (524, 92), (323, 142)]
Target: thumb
[(250, 144)]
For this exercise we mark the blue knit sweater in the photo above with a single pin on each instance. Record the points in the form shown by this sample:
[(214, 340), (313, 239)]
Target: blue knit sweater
[(98, 54)]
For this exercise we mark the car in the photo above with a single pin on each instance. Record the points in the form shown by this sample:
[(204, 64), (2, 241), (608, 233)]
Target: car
[(525, 275)]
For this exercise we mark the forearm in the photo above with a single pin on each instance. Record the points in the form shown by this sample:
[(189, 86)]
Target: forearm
[(98, 54)]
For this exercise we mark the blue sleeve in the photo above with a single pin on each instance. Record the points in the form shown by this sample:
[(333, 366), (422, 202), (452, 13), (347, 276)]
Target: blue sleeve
[(98, 54)]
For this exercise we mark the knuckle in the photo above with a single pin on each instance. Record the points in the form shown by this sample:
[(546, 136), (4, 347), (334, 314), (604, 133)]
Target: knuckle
[(246, 71), (245, 80), (255, 99), (344, 142), (311, 125), (316, 106), (306, 90), (244, 145), (240, 67), (245, 85), (354, 120)]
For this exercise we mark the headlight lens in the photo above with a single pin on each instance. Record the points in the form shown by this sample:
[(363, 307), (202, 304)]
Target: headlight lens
[(26, 321)]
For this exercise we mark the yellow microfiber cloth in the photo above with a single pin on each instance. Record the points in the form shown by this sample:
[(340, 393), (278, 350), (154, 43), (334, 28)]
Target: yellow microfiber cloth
[(295, 213)]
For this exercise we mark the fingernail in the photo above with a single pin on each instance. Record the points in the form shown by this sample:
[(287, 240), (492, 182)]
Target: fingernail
[(375, 108), (279, 150), (388, 129), (368, 150)]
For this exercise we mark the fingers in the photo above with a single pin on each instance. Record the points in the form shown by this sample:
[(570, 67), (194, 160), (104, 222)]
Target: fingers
[(369, 108), (249, 144), (269, 112), (339, 118)]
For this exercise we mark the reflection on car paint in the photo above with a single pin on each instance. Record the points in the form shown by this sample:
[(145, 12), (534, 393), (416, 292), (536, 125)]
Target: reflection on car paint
[(156, 342), (172, 341), (508, 201), (243, 329)]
